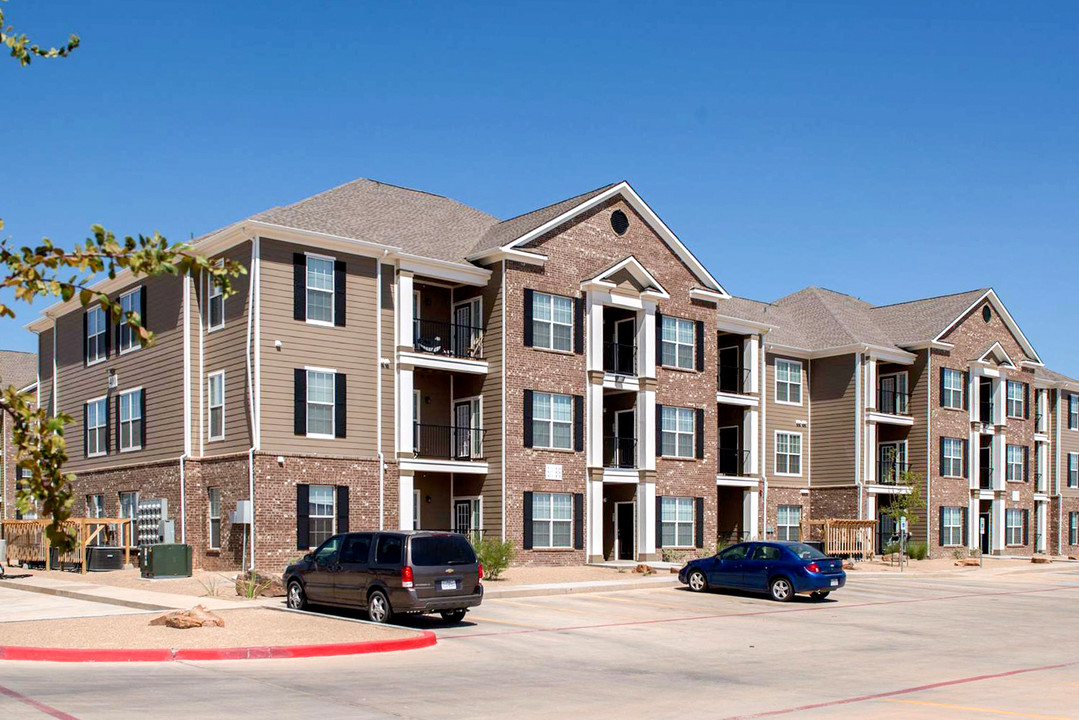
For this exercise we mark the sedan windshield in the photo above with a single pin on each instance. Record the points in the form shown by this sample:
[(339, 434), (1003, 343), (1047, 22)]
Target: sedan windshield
[(806, 552)]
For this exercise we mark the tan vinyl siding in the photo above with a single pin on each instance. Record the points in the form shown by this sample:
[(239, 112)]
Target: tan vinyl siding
[(834, 420), (389, 373), (920, 384), (1069, 443), (44, 369), (785, 418), (351, 350)]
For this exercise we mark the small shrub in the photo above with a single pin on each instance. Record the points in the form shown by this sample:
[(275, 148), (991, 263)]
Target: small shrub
[(891, 548), (251, 586), (495, 555), (958, 553), (917, 551), (212, 585)]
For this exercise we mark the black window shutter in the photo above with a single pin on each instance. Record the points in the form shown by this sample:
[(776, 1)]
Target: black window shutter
[(659, 525), (528, 418), (659, 338), (339, 293), (142, 307), (527, 539), (528, 317), (142, 414), (963, 540), (966, 455), (940, 526), (108, 401), (85, 338), (342, 508), (1026, 527), (340, 405), (299, 402), (578, 422), (942, 473), (700, 345), (578, 521), (700, 433), (1026, 401), (659, 430), (299, 286), (698, 527), (578, 325), (85, 432), (1026, 463), (966, 390), (303, 520)]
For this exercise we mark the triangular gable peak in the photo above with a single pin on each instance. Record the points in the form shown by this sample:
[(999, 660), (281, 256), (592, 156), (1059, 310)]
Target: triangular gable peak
[(710, 288), (628, 276), (990, 296), (996, 355)]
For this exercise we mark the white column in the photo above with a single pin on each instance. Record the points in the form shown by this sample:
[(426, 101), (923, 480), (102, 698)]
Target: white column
[(974, 459), (974, 523), (1041, 450), (646, 341), (870, 453), (871, 506), (998, 524), (646, 519), (594, 426), (1040, 527), (404, 500), (750, 439), (751, 360), (594, 337), (999, 401), (870, 384), (999, 460), (405, 420), (646, 429), (405, 311), (751, 501), (594, 517)]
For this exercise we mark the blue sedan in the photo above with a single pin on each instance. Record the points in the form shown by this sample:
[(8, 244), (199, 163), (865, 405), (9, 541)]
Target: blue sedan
[(781, 569)]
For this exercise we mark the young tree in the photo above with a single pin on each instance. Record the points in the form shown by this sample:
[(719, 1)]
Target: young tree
[(905, 506), (45, 270)]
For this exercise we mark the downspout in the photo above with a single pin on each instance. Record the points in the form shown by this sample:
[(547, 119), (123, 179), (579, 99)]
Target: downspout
[(378, 393), (187, 408), (859, 428), (252, 309)]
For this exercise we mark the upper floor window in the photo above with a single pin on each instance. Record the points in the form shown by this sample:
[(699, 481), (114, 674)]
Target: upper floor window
[(131, 302), (96, 336), (552, 421), (1017, 399), (1016, 462), (216, 392), (320, 403), (951, 388), (320, 288), (788, 453), (678, 343), (552, 322), (952, 461), (1073, 470), (132, 428), (97, 427), (677, 432), (789, 382), (1073, 412), (215, 305)]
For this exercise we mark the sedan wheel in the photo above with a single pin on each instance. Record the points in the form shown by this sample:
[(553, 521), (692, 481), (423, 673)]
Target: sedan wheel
[(378, 607), (696, 581), (297, 600), (781, 589)]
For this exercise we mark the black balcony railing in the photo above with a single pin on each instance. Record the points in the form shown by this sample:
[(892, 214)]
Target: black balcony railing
[(443, 338), (890, 472), (620, 358), (985, 477), (448, 442), (733, 462), (985, 412), (733, 379), (893, 402), (620, 452)]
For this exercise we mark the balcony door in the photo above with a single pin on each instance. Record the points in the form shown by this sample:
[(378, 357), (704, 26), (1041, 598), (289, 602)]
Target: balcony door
[(730, 372), (892, 459), (466, 333), (625, 347), (730, 451), (466, 515), (466, 429), (625, 446)]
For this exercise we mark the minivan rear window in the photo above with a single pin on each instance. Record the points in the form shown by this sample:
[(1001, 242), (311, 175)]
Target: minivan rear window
[(442, 550)]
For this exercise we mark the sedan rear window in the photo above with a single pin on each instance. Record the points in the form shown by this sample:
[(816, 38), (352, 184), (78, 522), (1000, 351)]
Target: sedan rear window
[(806, 552), (442, 550)]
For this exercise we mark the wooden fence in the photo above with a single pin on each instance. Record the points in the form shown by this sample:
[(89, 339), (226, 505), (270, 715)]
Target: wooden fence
[(27, 541), (849, 538)]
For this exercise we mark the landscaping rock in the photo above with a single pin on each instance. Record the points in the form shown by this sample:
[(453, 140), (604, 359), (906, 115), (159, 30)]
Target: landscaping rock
[(967, 562), (271, 585), (1041, 559), (644, 570), (848, 564), (1072, 557), (197, 616)]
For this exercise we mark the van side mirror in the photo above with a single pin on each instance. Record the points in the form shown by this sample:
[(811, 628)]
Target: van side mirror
[(308, 557)]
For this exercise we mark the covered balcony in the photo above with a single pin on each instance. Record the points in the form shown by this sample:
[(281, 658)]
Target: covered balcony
[(619, 341), (620, 430), (734, 454), (736, 372)]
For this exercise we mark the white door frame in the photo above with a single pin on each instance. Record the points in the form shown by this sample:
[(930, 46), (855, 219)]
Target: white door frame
[(478, 500)]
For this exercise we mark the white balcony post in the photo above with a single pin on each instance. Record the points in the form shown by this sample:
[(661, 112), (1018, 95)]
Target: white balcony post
[(406, 313), (751, 361), (646, 525), (999, 400), (595, 521), (871, 506), (405, 419), (751, 512), (594, 426), (646, 341), (999, 526), (594, 336), (974, 522), (646, 429), (404, 501), (871, 384), (750, 440), (871, 453), (1000, 460), (974, 459)]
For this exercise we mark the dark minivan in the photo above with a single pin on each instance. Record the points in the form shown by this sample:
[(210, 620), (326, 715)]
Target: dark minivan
[(390, 572)]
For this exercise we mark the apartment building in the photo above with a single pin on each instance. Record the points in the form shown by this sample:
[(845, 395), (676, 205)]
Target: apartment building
[(572, 379), (18, 370)]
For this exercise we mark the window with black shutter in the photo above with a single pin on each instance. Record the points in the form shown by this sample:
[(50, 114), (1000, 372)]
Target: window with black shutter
[(340, 405), (299, 402), (578, 521), (342, 509), (303, 528), (299, 286), (339, 279), (527, 529)]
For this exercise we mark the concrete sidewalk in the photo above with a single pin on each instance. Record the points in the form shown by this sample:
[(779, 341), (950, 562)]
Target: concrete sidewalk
[(127, 597)]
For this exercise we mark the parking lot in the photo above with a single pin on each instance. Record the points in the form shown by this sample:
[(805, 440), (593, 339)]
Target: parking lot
[(951, 646)]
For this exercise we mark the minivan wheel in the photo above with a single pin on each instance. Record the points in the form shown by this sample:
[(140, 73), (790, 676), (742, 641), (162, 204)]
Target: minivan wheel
[(781, 589), (378, 607), (696, 581), (297, 600), (452, 616)]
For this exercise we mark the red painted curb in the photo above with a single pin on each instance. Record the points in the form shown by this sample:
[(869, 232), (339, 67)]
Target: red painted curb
[(9, 652)]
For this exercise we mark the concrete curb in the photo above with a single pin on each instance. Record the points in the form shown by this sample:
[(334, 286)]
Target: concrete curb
[(490, 593), (426, 638), (73, 595)]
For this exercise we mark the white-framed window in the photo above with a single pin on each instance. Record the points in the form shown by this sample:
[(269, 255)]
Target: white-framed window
[(1013, 526), (953, 457), (952, 526), (322, 517), (1073, 412), (320, 404), (95, 506), (678, 344), (130, 302), (552, 421), (676, 521), (131, 420), (788, 382), (97, 427), (1015, 464), (213, 497), (1016, 399), (788, 459), (215, 303), (552, 520), (215, 389), (552, 322), (952, 389), (96, 349), (677, 432), (1073, 470), (1073, 528), (320, 289), (789, 522), (129, 508)]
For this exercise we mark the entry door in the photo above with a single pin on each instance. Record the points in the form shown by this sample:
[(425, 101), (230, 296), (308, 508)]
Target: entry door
[(730, 371), (730, 452), (886, 530), (985, 528), (624, 527), (625, 432), (625, 332), (465, 516)]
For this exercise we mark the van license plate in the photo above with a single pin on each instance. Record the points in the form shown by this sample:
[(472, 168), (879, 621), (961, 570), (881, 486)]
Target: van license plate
[(835, 583), (447, 585)]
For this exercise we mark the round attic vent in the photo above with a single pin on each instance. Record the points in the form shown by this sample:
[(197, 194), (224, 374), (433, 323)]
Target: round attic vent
[(987, 314), (619, 222)]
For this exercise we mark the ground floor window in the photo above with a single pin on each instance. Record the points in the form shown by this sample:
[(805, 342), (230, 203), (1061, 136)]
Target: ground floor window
[(1013, 523), (320, 503), (95, 506), (951, 529), (552, 520), (789, 522), (22, 483), (1073, 528), (676, 521), (214, 497)]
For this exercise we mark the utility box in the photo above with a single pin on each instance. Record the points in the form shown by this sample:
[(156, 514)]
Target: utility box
[(101, 558), (242, 515), (161, 561)]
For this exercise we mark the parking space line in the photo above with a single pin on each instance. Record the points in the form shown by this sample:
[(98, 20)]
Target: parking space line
[(36, 704), (508, 622), (554, 609), (968, 708), (639, 602)]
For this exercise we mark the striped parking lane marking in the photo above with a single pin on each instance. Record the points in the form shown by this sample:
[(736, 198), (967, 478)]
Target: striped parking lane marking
[(555, 608), (973, 709), (604, 598), (36, 704)]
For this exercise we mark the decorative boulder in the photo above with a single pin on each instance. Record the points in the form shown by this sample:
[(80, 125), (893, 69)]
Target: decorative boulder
[(197, 616), (644, 569), (1041, 559), (264, 585)]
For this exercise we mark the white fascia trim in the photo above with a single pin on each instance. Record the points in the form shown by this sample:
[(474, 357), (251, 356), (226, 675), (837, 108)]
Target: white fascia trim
[(353, 246), (736, 481), (878, 352), (707, 295), (637, 270), (461, 273), (1009, 322), (521, 256), (999, 354), (929, 345), (467, 467), (726, 323)]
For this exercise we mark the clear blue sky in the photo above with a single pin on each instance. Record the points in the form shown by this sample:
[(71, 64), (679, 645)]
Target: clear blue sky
[(891, 151)]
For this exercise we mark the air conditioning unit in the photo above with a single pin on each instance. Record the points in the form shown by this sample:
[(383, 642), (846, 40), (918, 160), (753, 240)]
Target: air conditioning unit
[(242, 514), (105, 558)]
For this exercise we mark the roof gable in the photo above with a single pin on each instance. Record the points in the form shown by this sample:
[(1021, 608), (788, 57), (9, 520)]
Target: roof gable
[(996, 353), (1013, 327), (631, 270)]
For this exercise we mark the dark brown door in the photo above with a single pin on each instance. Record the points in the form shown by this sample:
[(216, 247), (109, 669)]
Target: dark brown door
[(626, 550)]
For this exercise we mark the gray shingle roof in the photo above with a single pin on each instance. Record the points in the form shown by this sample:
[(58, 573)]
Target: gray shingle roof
[(17, 368), (922, 320), (1044, 373), (829, 319)]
